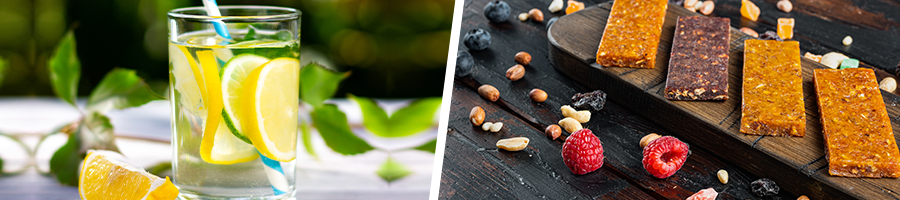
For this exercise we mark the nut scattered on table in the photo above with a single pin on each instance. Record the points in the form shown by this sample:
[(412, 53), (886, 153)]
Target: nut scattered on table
[(567, 111), (536, 15), (513, 144), (698, 6), (802, 197), (555, 6), (489, 92), (647, 138), (750, 32), (523, 16), (847, 41), (523, 58), (689, 4), (707, 7), (571, 125), (784, 5), (515, 73), (553, 131), (537, 95), (723, 176), (581, 116), (814, 57), (487, 126), (476, 116), (833, 59), (496, 127), (888, 84)]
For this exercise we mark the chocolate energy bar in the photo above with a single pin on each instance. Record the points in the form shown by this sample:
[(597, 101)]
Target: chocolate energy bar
[(698, 66)]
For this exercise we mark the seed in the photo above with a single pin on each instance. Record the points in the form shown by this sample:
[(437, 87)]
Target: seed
[(784, 5), (536, 15), (513, 144), (496, 127), (537, 95), (847, 41), (707, 7), (523, 16), (750, 32), (571, 125), (523, 58), (486, 126), (515, 73), (723, 176), (489, 92), (647, 138), (888, 84), (476, 116), (553, 131)]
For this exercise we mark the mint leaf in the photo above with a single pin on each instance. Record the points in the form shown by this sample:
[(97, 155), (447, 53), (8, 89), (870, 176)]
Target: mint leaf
[(65, 69), (375, 118), (415, 117), (306, 134), (120, 88), (64, 162), (332, 125), (318, 83), (251, 33), (430, 146), (392, 170), (95, 132)]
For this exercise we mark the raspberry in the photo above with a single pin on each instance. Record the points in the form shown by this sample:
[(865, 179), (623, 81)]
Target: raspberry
[(664, 156), (582, 152), (704, 194)]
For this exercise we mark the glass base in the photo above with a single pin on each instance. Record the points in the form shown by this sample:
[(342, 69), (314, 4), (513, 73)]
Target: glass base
[(185, 195)]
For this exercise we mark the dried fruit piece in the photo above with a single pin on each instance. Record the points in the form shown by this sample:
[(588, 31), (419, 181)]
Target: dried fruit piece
[(513, 144), (571, 125), (476, 116), (814, 57), (537, 95), (574, 6), (515, 72), (589, 101), (648, 138), (582, 152), (750, 32), (489, 92), (770, 35), (536, 15), (802, 197), (496, 127), (704, 194), (749, 10), (786, 28), (764, 187), (665, 156), (723, 176), (553, 131), (523, 58), (496, 11)]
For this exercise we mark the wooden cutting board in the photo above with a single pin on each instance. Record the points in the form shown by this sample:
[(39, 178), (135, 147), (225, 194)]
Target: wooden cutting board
[(795, 163)]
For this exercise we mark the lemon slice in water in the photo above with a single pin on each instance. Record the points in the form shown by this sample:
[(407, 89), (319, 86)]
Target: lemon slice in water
[(234, 73), (269, 108)]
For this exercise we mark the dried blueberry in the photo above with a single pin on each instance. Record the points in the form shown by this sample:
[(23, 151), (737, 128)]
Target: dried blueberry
[(589, 101), (764, 187), (496, 11), (770, 35), (477, 39), (551, 21), (464, 63)]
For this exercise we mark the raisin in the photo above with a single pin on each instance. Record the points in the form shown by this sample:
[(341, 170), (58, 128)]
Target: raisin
[(764, 187), (589, 101), (770, 35)]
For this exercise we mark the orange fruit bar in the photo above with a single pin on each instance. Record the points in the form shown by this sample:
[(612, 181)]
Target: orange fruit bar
[(859, 140), (632, 32), (574, 6), (749, 10), (772, 93), (786, 28)]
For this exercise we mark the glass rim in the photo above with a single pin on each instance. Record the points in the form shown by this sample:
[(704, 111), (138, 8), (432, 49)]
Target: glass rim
[(179, 13)]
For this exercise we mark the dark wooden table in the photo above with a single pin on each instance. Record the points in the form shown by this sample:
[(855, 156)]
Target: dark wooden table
[(474, 168)]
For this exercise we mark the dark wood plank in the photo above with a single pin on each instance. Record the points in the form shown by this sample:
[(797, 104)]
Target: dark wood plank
[(711, 124)]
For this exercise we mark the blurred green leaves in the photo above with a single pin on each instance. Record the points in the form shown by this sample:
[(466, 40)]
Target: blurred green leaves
[(121, 88), (392, 170), (318, 83), (65, 69), (428, 147), (414, 118), (332, 125)]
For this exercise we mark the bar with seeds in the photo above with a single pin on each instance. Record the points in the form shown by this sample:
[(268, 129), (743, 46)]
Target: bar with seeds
[(859, 140), (632, 32), (772, 93), (698, 67)]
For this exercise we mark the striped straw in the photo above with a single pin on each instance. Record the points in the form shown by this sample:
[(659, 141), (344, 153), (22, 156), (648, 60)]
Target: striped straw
[(273, 168)]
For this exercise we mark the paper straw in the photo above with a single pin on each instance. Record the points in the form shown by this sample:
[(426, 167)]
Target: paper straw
[(273, 168)]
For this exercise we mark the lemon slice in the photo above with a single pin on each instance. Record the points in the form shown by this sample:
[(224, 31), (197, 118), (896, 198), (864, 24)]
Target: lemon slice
[(269, 108), (213, 102), (188, 80), (234, 73), (104, 178), (228, 149)]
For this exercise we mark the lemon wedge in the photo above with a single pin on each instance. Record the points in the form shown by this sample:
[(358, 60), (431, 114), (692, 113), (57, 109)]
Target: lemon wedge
[(105, 178), (269, 108)]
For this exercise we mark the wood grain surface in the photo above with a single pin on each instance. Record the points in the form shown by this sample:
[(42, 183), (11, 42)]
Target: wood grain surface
[(797, 164)]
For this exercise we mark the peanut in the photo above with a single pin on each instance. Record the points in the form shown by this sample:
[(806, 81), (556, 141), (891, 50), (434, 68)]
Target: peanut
[(784, 5), (847, 41), (523, 16), (553, 131), (537, 95), (555, 6), (750, 32), (888, 84), (515, 73), (802, 197), (486, 126), (536, 15), (581, 116), (496, 127), (523, 58), (707, 7), (513, 144), (689, 4), (723, 176), (489, 92), (647, 138), (571, 125), (567, 111), (476, 116)]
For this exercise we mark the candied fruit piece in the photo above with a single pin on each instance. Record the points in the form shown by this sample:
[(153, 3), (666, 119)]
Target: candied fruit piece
[(786, 28), (574, 6), (749, 10)]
